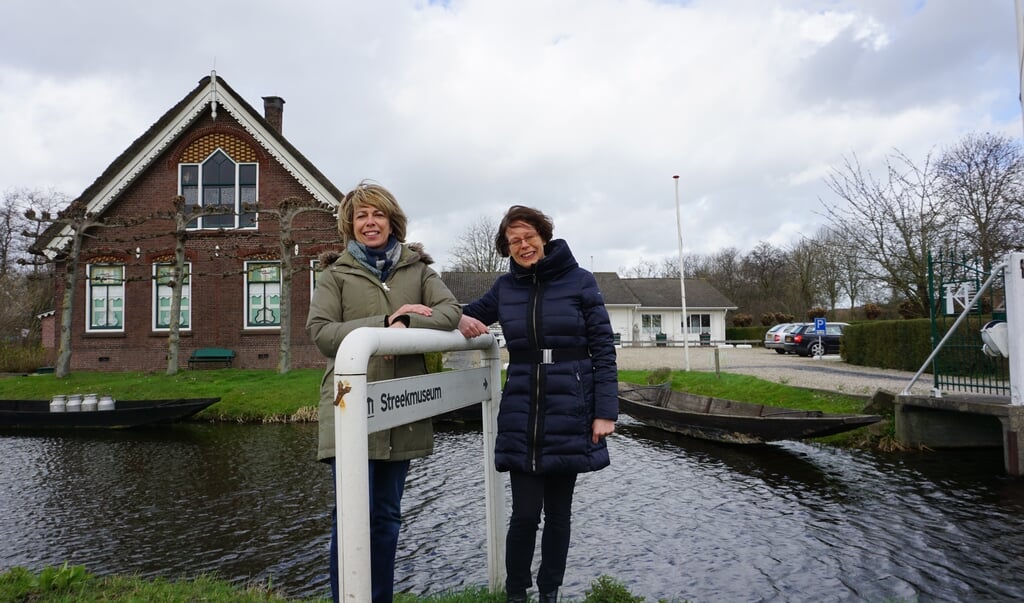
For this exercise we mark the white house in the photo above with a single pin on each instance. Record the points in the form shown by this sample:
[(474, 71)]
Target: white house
[(640, 309)]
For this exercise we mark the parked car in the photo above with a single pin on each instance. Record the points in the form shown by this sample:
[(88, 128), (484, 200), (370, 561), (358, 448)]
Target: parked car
[(773, 337), (789, 332), (805, 340)]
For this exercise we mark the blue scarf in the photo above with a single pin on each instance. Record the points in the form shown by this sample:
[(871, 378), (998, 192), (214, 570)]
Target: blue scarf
[(378, 261)]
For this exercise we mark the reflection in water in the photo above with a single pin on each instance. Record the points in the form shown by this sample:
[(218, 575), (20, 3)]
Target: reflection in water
[(672, 517)]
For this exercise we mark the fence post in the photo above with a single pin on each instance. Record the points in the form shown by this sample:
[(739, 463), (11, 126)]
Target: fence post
[(350, 441)]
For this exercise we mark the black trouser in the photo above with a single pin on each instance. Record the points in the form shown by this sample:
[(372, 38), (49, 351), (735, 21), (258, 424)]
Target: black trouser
[(531, 493)]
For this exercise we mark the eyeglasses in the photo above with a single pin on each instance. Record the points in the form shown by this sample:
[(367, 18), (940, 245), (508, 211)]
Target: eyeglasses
[(517, 243)]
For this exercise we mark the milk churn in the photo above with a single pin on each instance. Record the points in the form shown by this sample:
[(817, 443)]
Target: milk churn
[(106, 403), (74, 403), (90, 402), (58, 404)]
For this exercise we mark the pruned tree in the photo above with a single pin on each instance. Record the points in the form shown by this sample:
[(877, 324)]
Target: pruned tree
[(26, 286), (182, 215), (286, 212), (79, 221), (474, 250)]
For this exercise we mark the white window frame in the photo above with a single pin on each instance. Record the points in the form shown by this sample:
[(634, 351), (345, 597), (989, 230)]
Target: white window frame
[(95, 271), (701, 317), (647, 326), (197, 198), (185, 323), (275, 310)]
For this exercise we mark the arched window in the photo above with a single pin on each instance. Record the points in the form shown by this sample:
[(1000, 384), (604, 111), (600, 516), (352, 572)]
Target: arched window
[(220, 182)]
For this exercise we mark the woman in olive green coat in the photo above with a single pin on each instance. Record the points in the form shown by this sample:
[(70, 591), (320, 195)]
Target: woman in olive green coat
[(377, 281)]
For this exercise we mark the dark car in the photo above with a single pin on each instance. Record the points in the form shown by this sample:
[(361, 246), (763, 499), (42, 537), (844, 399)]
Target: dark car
[(806, 341)]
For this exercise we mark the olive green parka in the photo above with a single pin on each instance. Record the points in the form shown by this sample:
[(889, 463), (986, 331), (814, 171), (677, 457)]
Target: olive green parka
[(349, 296)]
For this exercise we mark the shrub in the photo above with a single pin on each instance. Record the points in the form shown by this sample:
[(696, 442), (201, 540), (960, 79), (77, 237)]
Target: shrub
[(816, 312), (742, 320), (659, 376), (872, 311), (608, 590), (435, 362), (744, 333), (21, 359), (894, 344)]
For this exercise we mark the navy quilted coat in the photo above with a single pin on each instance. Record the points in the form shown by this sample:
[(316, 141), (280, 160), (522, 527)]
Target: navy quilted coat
[(547, 410)]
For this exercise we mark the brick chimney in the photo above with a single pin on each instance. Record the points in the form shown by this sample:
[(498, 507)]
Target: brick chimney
[(273, 111)]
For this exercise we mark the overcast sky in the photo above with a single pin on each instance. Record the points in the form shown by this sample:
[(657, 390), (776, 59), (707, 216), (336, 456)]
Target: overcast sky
[(584, 109)]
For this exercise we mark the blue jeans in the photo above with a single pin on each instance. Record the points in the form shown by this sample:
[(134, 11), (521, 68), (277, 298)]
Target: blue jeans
[(387, 483), (531, 494)]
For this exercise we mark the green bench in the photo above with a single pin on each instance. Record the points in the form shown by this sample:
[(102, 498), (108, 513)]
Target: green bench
[(214, 355)]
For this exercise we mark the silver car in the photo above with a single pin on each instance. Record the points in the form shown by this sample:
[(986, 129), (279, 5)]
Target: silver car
[(774, 340)]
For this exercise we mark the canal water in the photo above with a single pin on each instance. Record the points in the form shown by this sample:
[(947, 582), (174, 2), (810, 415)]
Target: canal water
[(671, 518)]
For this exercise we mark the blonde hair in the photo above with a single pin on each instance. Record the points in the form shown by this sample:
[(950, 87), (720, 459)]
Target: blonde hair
[(368, 193)]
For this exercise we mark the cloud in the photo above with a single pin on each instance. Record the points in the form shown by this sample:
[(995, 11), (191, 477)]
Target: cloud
[(585, 109)]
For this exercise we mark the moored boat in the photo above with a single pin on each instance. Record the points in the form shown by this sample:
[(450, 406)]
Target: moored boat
[(730, 421), (60, 414)]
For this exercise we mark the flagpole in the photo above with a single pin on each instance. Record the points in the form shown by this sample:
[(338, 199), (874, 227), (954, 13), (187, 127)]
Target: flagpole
[(682, 279), (1020, 55)]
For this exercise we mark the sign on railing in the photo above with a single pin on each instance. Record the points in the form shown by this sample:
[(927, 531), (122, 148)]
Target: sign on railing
[(361, 408)]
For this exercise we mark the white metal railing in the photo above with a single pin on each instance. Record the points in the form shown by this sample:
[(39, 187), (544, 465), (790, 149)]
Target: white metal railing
[(362, 408)]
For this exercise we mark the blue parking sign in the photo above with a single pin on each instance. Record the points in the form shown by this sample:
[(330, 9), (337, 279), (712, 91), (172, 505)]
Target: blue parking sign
[(819, 326)]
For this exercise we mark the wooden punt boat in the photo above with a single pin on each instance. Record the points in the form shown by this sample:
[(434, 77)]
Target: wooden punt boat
[(729, 421), (36, 414)]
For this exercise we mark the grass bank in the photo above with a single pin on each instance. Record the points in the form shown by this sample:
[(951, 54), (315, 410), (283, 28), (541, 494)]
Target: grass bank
[(260, 394), (245, 395), (68, 584)]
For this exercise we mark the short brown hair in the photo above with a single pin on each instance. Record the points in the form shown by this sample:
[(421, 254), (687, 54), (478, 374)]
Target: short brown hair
[(520, 213), (376, 196)]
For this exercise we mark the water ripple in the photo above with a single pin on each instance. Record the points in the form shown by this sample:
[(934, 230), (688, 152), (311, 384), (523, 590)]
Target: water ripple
[(672, 518)]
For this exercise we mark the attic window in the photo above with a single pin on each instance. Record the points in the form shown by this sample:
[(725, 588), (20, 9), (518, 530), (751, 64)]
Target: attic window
[(220, 182)]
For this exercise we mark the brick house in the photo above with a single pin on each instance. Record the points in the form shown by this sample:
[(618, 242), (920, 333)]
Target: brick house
[(212, 148)]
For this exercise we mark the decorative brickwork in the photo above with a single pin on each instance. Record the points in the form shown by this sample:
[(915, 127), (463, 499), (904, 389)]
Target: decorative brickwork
[(236, 149)]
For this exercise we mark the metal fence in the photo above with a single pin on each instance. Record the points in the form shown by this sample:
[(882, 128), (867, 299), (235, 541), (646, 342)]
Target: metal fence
[(961, 365)]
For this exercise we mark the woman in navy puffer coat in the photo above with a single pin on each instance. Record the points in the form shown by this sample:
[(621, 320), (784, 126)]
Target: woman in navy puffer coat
[(560, 398)]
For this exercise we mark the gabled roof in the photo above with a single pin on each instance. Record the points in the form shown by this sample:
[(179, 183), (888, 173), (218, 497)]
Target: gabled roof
[(644, 292), (214, 92), (667, 293), (614, 290), (469, 286)]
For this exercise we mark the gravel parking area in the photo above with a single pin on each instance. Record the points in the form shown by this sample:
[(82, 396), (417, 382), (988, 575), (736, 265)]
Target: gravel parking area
[(827, 372)]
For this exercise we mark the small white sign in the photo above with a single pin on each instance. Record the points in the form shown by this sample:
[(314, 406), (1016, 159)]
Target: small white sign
[(958, 294), (400, 401)]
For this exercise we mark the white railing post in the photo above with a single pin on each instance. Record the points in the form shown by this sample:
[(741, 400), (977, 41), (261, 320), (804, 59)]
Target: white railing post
[(353, 402), (1014, 283), (494, 486)]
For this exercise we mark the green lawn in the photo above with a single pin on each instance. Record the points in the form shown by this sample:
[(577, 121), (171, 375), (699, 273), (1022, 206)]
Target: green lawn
[(261, 395), (245, 395)]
